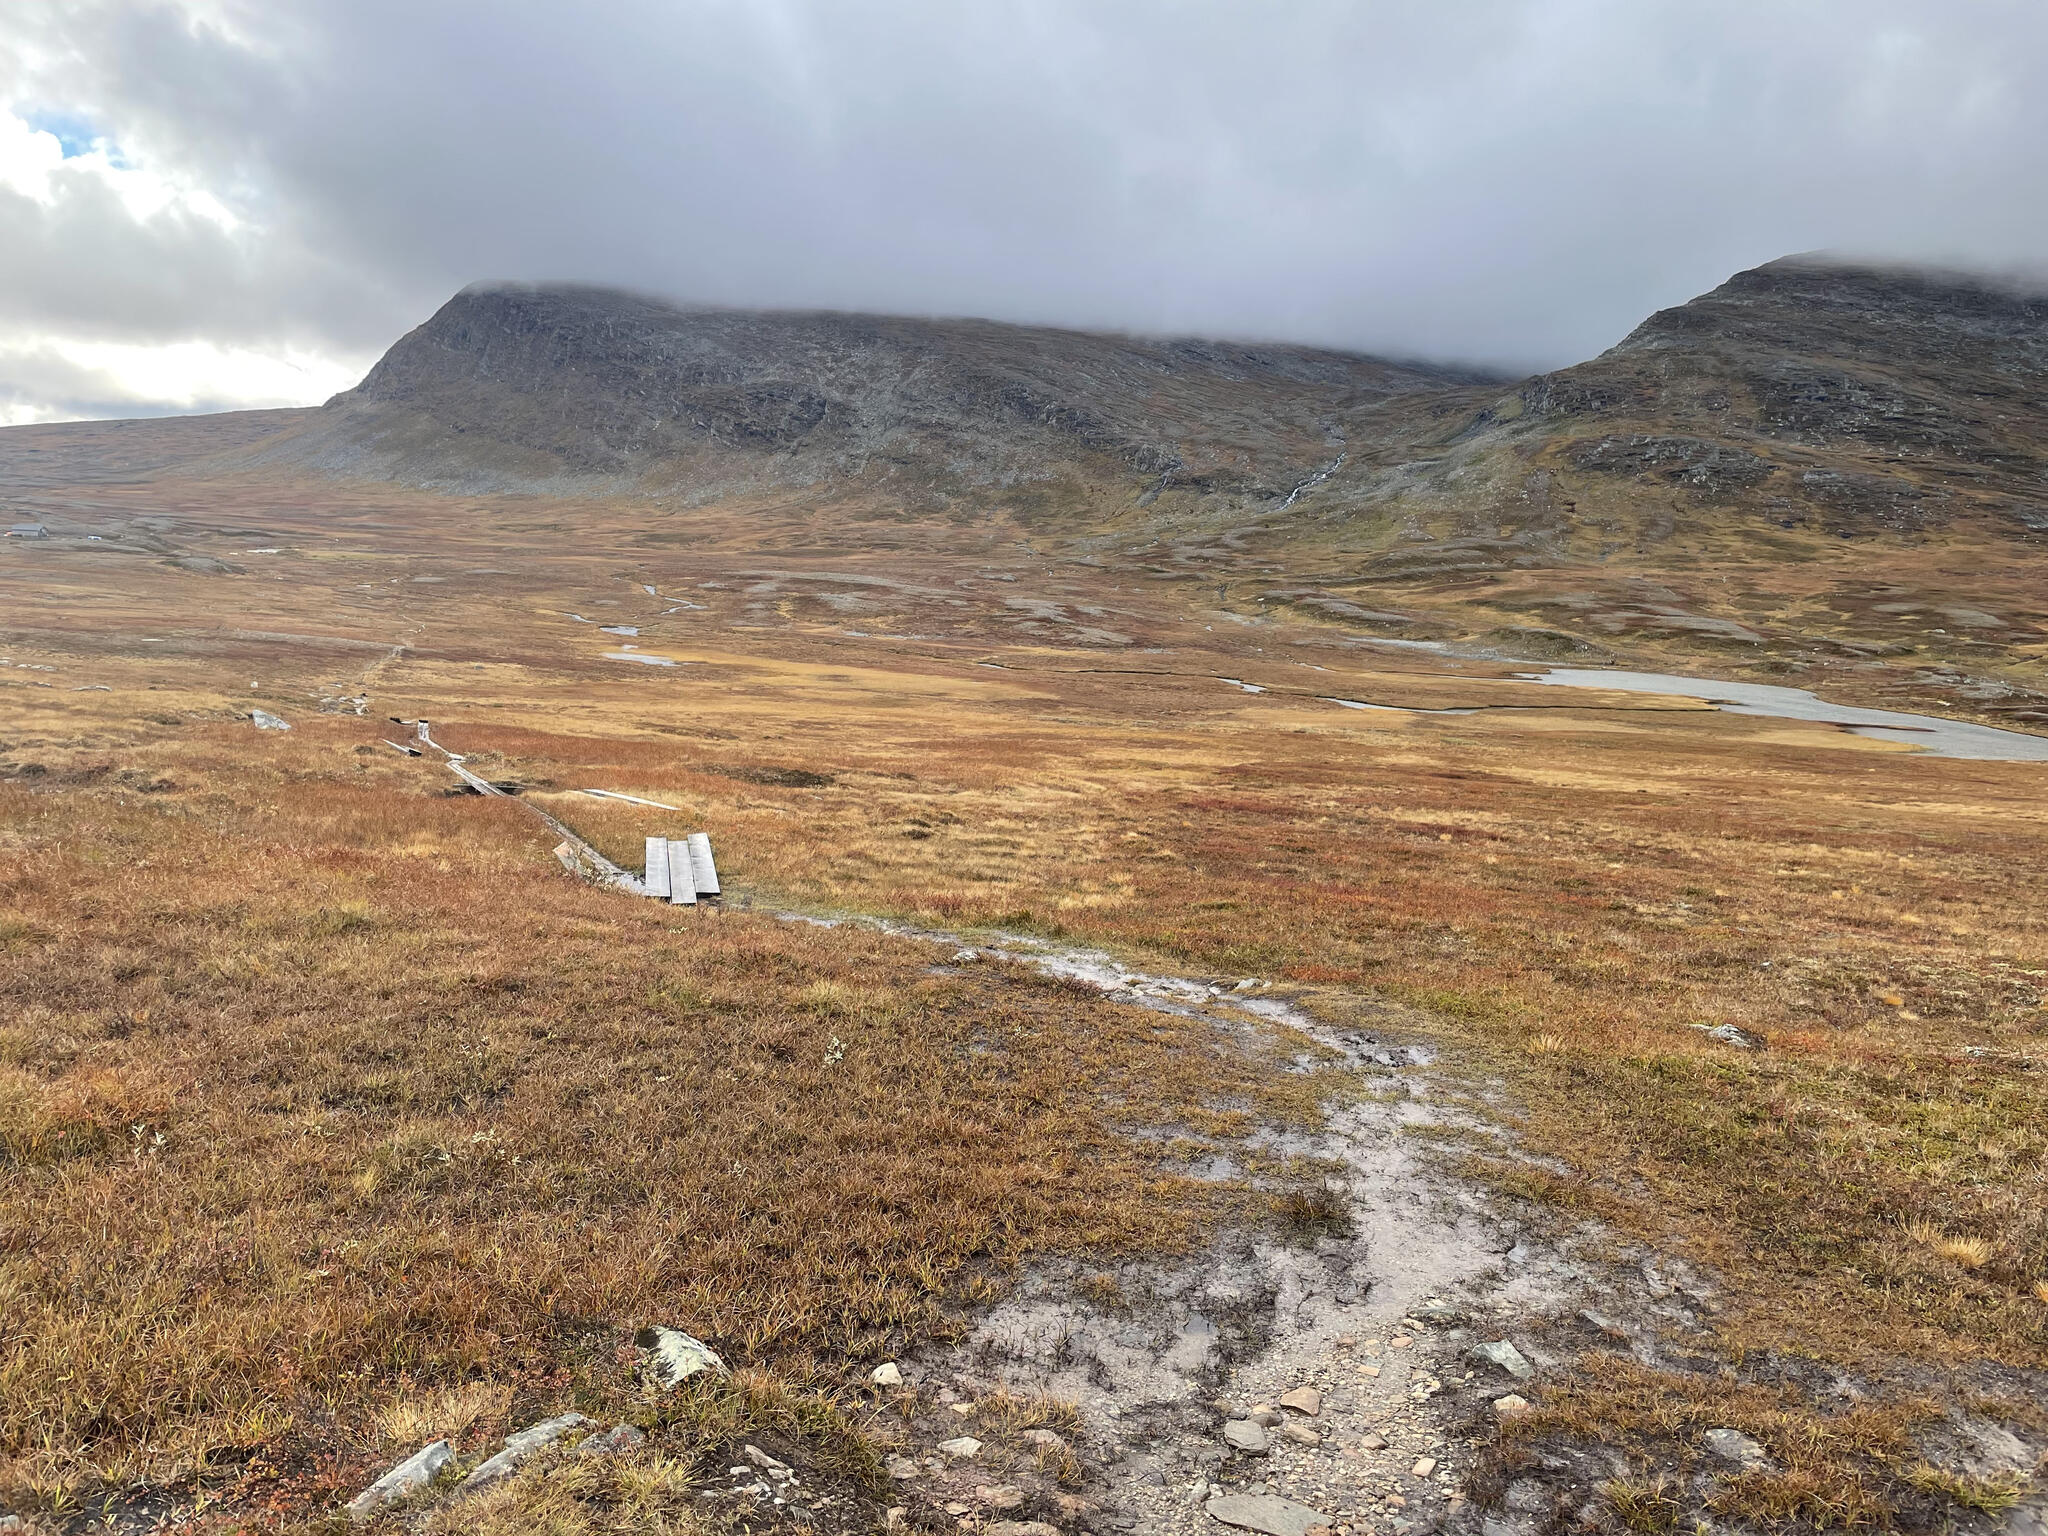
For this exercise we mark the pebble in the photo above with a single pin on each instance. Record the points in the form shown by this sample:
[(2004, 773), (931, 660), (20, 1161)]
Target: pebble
[(1001, 1496), (887, 1374), (1373, 1442), (1022, 1528), (1513, 1406), (1424, 1466), (1247, 1435), (1044, 1439), (1301, 1434), (965, 1448), (1303, 1400)]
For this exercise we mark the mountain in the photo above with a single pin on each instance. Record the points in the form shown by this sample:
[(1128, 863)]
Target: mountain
[(573, 388), (1809, 394), (1856, 396)]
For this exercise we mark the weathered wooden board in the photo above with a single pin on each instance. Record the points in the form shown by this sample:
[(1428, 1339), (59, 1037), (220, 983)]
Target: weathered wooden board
[(682, 885), (657, 866), (703, 870)]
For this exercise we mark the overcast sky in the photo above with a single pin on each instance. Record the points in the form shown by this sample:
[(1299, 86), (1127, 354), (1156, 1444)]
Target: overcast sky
[(209, 203)]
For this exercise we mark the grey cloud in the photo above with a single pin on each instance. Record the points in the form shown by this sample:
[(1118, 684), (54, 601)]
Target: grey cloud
[(1505, 181)]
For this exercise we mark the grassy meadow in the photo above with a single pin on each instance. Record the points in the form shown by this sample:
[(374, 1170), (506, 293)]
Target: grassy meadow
[(334, 1114)]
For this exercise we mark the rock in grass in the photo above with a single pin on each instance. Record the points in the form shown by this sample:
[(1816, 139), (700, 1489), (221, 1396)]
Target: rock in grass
[(1513, 1406), (1741, 1039), (1247, 1435), (887, 1374), (1267, 1513), (264, 720), (965, 1448), (1734, 1447), (672, 1357), (1304, 1400), (1022, 1528), (614, 1442), (402, 1481), (520, 1446), (1503, 1356)]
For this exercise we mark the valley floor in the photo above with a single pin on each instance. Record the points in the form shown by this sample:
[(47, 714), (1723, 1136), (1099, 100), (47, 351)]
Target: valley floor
[(1699, 1057)]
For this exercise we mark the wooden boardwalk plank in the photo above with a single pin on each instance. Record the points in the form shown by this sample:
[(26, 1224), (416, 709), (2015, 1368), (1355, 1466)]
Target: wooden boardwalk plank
[(703, 871), (657, 866), (682, 885)]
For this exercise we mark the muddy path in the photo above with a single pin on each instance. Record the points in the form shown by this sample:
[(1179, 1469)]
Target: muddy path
[(1348, 1370)]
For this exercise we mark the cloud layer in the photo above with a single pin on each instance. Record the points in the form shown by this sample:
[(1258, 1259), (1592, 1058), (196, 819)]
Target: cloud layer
[(209, 202)]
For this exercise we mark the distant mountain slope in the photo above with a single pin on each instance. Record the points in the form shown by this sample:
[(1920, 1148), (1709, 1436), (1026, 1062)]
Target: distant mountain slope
[(560, 386), (1857, 397)]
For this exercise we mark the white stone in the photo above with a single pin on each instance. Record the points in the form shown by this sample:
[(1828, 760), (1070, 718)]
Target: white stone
[(887, 1374), (520, 1446), (965, 1448), (1732, 1445), (673, 1357), (403, 1480)]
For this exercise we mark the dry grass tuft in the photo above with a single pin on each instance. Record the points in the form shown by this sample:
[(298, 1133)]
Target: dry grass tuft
[(1311, 1211), (1646, 1504), (1969, 1252), (444, 1413), (1989, 1496)]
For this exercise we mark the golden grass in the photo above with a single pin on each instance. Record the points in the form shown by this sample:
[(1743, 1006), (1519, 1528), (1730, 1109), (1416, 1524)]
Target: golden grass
[(313, 1143), (321, 1095)]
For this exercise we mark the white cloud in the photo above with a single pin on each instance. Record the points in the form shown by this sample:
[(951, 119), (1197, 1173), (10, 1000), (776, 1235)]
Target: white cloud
[(34, 163), (1513, 181)]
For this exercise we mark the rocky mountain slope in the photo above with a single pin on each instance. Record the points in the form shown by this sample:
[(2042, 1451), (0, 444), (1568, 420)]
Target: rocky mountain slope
[(1862, 397), (1808, 394), (562, 387)]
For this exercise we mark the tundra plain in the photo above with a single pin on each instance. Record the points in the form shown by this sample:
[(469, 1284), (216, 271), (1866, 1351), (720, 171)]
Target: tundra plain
[(337, 1114)]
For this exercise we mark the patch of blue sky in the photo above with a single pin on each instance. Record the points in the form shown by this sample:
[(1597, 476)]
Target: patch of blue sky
[(74, 135)]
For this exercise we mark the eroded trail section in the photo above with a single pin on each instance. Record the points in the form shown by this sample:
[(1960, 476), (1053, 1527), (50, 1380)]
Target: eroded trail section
[(1347, 1371)]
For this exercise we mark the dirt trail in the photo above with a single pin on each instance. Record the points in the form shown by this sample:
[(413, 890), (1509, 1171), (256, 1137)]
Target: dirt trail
[(1377, 1315)]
